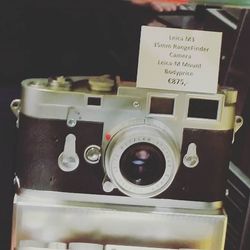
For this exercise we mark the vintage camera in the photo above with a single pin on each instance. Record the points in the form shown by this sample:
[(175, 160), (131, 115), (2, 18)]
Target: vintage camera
[(82, 135)]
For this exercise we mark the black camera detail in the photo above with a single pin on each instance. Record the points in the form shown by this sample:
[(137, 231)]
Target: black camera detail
[(202, 108), (161, 105)]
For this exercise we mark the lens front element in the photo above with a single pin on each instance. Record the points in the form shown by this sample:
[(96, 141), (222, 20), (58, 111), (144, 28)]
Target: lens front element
[(142, 164)]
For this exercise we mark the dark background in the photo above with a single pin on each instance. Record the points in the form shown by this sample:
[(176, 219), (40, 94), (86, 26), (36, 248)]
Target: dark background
[(58, 37), (80, 37)]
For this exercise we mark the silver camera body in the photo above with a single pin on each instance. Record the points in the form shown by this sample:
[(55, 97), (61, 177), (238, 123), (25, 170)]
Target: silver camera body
[(82, 135)]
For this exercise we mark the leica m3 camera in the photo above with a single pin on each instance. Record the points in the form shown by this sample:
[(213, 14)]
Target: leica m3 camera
[(82, 135)]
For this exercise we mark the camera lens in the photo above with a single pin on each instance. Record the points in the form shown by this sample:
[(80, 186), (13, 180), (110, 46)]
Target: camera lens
[(142, 164)]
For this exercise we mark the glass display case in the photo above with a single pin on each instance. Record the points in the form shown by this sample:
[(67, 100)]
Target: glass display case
[(41, 218)]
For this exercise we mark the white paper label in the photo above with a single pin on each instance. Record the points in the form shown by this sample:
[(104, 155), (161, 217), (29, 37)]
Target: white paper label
[(179, 59)]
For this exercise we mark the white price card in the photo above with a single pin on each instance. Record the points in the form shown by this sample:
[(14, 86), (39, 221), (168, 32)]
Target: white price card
[(179, 59)]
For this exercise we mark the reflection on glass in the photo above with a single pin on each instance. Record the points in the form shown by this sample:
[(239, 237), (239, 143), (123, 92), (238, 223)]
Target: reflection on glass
[(238, 3)]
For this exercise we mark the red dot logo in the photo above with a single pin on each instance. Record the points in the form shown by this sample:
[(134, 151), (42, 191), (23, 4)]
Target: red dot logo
[(108, 136)]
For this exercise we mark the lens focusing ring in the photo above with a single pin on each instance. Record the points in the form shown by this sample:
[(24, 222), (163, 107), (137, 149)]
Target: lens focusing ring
[(141, 133)]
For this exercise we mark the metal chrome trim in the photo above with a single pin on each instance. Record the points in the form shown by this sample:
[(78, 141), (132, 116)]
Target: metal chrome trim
[(45, 103), (55, 197)]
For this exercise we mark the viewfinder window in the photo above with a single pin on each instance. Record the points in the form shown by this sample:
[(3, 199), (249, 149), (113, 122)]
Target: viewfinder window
[(162, 105), (94, 101), (202, 108)]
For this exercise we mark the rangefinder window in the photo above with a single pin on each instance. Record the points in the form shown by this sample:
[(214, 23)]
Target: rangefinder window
[(94, 101), (162, 105), (202, 108)]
